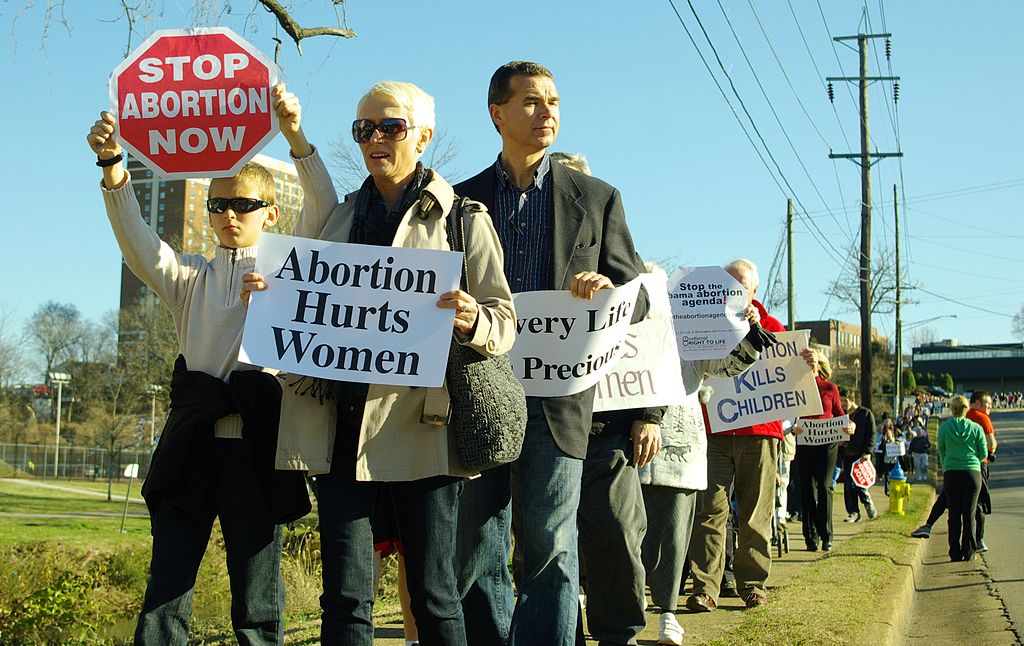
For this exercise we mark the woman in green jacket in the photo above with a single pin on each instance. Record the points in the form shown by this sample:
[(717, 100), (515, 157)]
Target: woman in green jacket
[(961, 450)]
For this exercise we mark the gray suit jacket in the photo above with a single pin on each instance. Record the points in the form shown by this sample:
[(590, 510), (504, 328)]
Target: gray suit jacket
[(589, 234)]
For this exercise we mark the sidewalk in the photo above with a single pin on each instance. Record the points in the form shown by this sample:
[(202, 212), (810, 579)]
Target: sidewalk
[(954, 603), (701, 628)]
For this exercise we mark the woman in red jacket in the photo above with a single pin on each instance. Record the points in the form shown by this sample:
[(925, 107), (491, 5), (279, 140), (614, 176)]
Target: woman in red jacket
[(815, 465)]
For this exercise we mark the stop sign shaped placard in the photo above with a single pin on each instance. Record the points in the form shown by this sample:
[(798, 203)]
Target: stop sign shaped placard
[(194, 103)]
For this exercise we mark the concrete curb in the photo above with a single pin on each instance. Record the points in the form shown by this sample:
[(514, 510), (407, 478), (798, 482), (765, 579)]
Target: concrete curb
[(903, 588)]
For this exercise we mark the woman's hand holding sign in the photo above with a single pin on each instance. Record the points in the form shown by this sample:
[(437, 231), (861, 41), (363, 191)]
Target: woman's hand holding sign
[(466, 309), (289, 115)]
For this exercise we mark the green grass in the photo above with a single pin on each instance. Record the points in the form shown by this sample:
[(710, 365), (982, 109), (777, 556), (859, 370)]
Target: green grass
[(78, 580), (831, 600)]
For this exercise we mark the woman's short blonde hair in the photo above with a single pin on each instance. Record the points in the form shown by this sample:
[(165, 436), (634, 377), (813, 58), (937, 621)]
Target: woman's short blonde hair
[(958, 405), (414, 100), (824, 366)]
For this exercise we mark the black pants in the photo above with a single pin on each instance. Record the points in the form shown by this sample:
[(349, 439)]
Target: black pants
[(940, 505), (612, 522), (851, 492), (816, 465), (961, 489)]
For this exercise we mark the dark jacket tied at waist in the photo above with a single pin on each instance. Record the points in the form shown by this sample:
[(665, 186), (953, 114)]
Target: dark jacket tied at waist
[(184, 470)]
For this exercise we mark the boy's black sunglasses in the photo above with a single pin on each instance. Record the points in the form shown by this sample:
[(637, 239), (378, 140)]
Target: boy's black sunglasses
[(236, 204), (390, 129)]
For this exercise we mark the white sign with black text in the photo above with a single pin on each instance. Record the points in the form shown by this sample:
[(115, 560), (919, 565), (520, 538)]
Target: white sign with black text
[(351, 312), (818, 432), (567, 344), (708, 312), (780, 385), (648, 372)]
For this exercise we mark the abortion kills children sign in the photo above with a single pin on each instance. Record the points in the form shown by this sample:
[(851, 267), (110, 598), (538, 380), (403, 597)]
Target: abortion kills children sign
[(194, 103), (566, 344), (351, 312), (823, 431), (708, 308), (780, 385), (648, 372)]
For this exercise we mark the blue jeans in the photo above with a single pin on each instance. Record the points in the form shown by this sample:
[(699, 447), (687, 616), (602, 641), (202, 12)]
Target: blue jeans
[(545, 492), (545, 495), (482, 551), (426, 512), (253, 548)]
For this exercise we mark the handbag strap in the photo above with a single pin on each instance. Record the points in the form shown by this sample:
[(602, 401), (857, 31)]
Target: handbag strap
[(455, 229)]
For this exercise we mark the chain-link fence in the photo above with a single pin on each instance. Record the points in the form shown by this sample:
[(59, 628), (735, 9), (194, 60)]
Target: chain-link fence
[(74, 462)]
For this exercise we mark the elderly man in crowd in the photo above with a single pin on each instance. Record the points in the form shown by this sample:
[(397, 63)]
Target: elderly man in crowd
[(746, 457)]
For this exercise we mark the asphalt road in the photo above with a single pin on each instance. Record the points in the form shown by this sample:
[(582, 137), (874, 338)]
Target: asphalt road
[(1004, 530), (981, 601)]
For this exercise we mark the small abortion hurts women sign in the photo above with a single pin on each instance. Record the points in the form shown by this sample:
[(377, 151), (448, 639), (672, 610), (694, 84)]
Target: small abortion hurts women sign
[(351, 312)]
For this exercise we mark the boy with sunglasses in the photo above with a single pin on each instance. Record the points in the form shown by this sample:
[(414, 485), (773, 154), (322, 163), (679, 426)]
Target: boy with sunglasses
[(210, 461)]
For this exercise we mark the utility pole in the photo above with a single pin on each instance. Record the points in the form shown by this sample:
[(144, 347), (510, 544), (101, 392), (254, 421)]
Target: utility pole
[(863, 159), (789, 265), (896, 408)]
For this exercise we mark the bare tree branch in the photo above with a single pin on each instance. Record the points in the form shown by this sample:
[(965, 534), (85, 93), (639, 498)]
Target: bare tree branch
[(297, 32)]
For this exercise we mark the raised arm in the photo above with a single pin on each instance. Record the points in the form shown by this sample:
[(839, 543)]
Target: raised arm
[(157, 265), (318, 194)]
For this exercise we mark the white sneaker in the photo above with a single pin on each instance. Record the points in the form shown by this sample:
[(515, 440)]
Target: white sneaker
[(669, 631)]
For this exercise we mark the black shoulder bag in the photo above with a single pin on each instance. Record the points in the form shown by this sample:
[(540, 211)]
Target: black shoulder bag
[(488, 405)]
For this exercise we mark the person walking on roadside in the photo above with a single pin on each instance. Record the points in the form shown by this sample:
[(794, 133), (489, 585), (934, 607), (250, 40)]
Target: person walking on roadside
[(816, 464), (961, 450), (919, 447), (981, 405), (857, 449)]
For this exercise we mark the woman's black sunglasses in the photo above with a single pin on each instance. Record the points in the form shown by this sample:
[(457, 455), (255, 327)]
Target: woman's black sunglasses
[(391, 129)]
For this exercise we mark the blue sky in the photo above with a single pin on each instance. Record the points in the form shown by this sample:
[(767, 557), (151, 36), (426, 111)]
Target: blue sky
[(638, 101)]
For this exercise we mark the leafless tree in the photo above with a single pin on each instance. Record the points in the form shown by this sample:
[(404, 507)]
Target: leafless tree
[(139, 16), (882, 297), (1017, 325), (54, 332), (11, 349), (348, 170), (923, 335)]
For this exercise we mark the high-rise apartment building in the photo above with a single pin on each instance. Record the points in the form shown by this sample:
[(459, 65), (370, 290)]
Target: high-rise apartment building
[(176, 210)]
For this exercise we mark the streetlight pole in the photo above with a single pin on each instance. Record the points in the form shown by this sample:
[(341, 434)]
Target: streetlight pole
[(154, 390), (59, 378)]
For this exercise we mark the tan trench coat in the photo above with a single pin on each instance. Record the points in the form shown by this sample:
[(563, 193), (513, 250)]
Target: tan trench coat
[(394, 445)]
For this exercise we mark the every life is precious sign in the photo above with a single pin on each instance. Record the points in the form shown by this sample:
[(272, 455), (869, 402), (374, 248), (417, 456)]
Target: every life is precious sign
[(194, 102), (708, 312)]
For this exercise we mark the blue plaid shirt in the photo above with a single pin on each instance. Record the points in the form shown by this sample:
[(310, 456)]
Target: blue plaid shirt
[(523, 222)]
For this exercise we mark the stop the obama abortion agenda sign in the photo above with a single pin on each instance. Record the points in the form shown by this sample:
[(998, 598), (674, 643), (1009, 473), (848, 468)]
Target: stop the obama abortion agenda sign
[(194, 103)]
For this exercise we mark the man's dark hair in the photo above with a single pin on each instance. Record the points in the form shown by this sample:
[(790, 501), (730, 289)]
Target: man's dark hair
[(500, 91), (979, 395), (847, 393)]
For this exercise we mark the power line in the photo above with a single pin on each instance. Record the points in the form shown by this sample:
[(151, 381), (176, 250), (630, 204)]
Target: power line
[(983, 254), (796, 95), (823, 241), (966, 304), (771, 107), (817, 71)]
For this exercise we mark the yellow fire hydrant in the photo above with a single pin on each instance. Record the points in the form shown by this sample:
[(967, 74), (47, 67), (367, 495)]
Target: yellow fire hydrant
[(899, 490)]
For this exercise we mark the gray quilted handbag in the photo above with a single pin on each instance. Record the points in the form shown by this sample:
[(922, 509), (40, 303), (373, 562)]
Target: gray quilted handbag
[(488, 406)]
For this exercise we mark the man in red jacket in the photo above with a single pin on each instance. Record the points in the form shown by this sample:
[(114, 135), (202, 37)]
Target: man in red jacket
[(745, 458)]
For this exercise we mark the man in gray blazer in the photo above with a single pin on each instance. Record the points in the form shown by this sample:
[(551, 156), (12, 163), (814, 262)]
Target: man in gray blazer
[(559, 229)]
